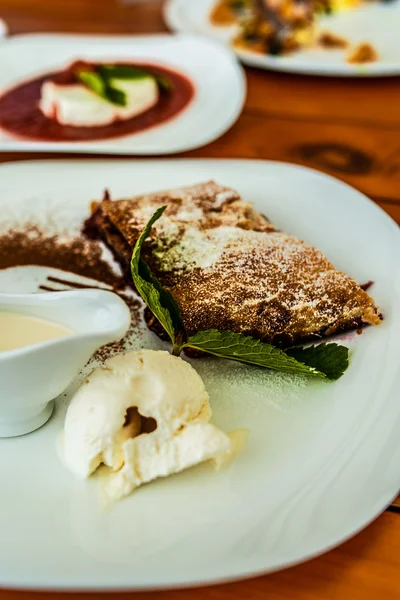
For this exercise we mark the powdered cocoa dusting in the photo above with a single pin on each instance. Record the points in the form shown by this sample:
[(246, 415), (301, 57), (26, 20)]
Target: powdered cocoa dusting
[(75, 255), (136, 309)]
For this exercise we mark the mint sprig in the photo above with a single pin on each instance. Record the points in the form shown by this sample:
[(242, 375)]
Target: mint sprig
[(129, 72), (102, 81), (245, 349), (326, 361), (101, 87), (122, 72), (332, 359), (160, 301)]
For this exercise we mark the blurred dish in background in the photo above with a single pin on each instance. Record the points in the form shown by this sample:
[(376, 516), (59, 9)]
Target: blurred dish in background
[(94, 101), (122, 95), (280, 27), (321, 37)]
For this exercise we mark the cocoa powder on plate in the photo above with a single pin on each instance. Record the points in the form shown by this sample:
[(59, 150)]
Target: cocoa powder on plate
[(74, 255)]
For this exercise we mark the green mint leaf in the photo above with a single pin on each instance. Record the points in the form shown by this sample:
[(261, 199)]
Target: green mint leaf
[(246, 349), (109, 72), (101, 87), (330, 359), (116, 96), (160, 301), (93, 81), (103, 81), (122, 72)]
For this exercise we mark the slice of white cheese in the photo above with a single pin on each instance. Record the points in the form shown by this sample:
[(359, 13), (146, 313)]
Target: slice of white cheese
[(99, 428), (77, 105)]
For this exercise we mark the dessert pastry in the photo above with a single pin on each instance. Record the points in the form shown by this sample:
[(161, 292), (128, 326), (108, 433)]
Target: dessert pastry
[(229, 268)]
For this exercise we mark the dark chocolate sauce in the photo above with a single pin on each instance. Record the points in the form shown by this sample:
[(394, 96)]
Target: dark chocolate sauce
[(73, 284), (20, 114)]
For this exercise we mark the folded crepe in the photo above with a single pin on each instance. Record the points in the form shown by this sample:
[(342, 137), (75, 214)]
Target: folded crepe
[(229, 268)]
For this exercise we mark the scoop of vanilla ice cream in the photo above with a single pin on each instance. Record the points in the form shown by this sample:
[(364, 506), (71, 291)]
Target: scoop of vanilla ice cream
[(108, 417)]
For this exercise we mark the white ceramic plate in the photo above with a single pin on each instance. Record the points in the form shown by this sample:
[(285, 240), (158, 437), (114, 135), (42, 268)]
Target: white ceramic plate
[(378, 24), (322, 459), (218, 101)]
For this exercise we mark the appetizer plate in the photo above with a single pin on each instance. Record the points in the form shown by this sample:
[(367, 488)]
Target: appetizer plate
[(377, 24), (322, 459), (219, 91)]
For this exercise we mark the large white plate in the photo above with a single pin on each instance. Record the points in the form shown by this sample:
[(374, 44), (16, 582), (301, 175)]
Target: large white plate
[(378, 24), (322, 459), (218, 79)]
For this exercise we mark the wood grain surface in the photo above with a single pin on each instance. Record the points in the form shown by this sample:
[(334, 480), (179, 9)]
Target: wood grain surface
[(348, 128)]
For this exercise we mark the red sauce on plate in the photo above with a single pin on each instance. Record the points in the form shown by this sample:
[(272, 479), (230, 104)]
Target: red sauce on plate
[(21, 116)]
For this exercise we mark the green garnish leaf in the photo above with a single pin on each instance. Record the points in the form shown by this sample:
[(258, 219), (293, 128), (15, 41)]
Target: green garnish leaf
[(93, 81), (116, 96), (160, 301), (127, 72), (245, 349), (102, 87), (103, 81), (122, 72), (330, 359)]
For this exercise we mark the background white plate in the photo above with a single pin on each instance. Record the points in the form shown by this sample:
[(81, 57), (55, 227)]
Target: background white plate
[(218, 79), (322, 459), (378, 24)]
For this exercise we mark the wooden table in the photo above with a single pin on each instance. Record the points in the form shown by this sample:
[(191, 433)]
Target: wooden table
[(348, 128)]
